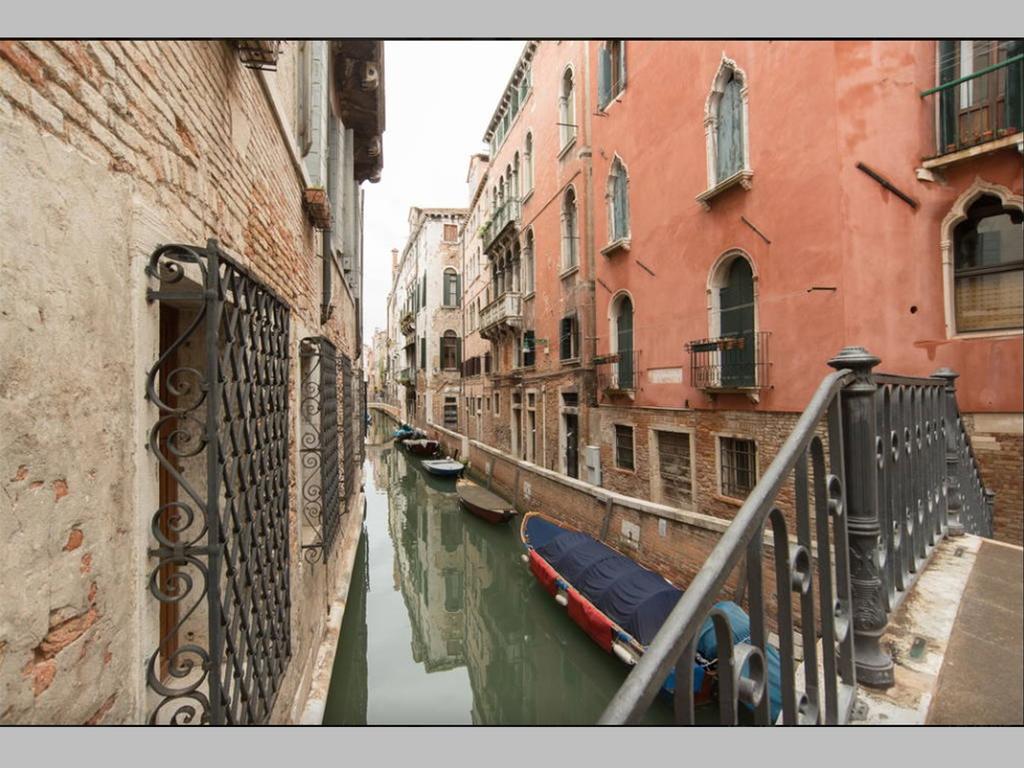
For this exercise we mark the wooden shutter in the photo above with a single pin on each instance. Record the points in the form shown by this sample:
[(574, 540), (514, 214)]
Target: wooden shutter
[(565, 339), (622, 64), (729, 133), (947, 99), (620, 203), (458, 290), (457, 343), (604, 77)]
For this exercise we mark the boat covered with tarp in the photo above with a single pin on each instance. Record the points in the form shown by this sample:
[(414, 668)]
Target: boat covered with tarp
[(621, 605)]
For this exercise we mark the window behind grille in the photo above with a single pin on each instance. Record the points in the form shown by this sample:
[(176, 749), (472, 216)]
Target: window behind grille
[(624, 446), (738, 459)]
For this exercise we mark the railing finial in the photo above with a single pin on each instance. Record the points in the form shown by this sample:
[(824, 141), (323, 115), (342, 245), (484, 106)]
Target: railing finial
[(861, 452)]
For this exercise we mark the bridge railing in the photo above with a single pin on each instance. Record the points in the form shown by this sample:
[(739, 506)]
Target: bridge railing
[(855, 502)]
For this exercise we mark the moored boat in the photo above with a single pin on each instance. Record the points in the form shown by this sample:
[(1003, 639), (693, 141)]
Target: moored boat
[(482, 503), (444, 467), (621, 605), (405, 432), (422, 446)]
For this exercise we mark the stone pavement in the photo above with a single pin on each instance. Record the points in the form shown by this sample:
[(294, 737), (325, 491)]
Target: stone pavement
[(981, 681)]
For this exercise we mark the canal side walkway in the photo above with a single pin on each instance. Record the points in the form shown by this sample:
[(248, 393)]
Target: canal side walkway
[(957, 641)]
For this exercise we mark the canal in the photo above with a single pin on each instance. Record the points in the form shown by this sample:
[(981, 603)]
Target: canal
[(444, 623)]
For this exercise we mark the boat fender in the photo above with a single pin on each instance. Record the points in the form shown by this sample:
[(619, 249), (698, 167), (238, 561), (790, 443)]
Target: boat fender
[(624, 654), (525, 558), (562, 599)]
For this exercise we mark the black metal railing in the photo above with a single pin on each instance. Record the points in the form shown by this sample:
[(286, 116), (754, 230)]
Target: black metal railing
[(347, 430), (221, 437), (318, 447), (864, 477), (735, 362), (618, 372)]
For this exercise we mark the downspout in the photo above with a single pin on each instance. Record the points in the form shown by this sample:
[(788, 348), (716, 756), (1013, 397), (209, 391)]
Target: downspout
[(590, 331)]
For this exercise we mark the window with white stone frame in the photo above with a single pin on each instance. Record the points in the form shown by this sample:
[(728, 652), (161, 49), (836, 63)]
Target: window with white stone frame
[(727, 131), (737, 466)]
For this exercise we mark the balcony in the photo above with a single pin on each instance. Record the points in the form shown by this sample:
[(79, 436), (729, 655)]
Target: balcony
[(736, 363), (407, 377), (505, 220), (501, 316), (408, 323), (618, 374), (978, 112)]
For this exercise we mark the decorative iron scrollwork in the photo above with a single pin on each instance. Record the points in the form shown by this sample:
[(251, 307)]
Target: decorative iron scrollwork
[(221, 437), (321, 483)]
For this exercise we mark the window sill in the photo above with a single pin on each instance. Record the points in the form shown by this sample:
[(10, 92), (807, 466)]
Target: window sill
[(565, 150), (728, 500), (742, 179), (526, 197), (528, 296), (622, 244), (613, 99), (572, 361), (993, 145), (971, 335), (623, 470), (568, 271)]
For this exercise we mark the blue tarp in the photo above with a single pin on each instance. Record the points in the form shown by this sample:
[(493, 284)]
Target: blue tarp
[(635, 598)]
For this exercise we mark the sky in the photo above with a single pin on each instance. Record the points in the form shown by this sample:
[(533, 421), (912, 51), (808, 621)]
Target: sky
[(439, 98)]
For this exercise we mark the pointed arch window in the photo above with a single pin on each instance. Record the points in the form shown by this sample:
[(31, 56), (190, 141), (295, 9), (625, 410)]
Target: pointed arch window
[(567, 109), (612, 73), (618, 201), (570, 230), (726, 131), (528, 165)]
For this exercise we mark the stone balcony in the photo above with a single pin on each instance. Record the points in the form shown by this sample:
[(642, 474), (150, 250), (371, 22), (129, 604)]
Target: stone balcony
[(505, 220), (502, 316)]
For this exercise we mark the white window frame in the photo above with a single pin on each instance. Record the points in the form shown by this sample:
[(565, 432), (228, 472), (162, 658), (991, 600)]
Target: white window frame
[(727, 70)]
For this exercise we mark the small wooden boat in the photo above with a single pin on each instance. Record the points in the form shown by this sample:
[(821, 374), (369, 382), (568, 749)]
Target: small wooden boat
[(482, 503), (422, 446), (444, 467), (621, 605)]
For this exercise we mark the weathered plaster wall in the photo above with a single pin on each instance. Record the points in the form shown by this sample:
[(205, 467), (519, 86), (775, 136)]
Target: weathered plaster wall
[(110, 148)]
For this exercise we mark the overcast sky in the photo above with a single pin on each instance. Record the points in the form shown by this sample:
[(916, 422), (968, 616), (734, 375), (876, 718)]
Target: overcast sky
[(439, 99)]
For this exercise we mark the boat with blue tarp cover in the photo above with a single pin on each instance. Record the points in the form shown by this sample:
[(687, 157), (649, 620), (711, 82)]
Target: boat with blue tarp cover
[(406, 432), (621, 605)]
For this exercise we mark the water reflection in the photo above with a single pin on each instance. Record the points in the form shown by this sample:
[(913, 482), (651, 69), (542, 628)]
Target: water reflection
[(444, 623)]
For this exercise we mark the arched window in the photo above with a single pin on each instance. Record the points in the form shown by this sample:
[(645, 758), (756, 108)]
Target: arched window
[(725, 125), (528, 263), (452, 289), (515, 177), (618, 202), (988, 267), (528, 165), (450, 352), (733, 320), (621, 312), (611, 75), (567, 109), (569, 230)]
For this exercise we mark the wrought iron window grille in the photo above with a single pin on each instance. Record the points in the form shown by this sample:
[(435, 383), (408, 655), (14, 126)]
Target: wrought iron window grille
[(222, 535), (321, 482)]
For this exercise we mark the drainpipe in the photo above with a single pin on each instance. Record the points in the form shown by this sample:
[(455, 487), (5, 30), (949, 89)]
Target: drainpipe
[(590, 314)]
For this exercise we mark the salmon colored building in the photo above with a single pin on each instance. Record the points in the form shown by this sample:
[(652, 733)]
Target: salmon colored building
[(529, 319), (758, 205)]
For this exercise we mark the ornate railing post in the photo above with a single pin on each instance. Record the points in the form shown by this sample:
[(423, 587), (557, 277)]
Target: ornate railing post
[(861, 451), (954, 501)]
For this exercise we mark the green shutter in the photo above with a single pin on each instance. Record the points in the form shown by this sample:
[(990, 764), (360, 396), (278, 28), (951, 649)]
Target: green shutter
[(622, 65), (604, 78), (1014, 118), (458, 290), (458, 352), (729, 159), (947, 99)]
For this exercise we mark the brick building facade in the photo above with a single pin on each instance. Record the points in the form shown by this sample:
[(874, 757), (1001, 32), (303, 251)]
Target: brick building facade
[(110, 151)]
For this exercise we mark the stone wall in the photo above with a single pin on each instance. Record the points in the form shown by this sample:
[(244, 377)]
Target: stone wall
[(109, 149)]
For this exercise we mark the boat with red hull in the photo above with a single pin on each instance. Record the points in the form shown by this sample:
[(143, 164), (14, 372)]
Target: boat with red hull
[(484, 504)]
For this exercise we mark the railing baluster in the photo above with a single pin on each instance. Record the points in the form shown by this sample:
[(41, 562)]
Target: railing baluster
[(885, 511), (840, 540), (682, 698), (826, 599), (755, 609), (727, 693), (808, 622), (784, 608)]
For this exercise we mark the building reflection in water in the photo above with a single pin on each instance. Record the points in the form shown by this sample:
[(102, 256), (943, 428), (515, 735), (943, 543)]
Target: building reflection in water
[(470, 602)]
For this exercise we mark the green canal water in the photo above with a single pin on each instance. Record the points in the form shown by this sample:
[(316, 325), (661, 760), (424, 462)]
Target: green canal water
[(444, 623)]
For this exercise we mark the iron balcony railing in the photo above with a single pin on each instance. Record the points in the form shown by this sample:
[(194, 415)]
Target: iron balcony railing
[(979, 107), (504, 216), (503, 314), (735, 362), (408, 323), (618, 372), (407, 376), (861, 492)]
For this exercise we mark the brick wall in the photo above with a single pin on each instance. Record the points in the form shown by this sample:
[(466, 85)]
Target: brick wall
[(1001, 457), (189, 141)]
